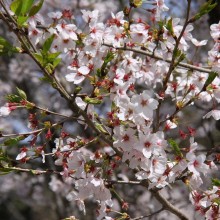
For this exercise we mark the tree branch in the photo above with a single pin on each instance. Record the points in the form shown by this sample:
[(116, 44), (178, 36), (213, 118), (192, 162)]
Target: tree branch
[(146, 216), (181, 64)]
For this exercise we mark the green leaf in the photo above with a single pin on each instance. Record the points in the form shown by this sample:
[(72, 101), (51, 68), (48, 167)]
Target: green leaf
[(16, 7), (93, 101), (13, 98), (39, 58), (177, 52), (22, 19), (46, 79), (21, 7), (215, 182), (169, 26), (109, 57), (26, 6), (113, 106), (100, 128), (47, 44), (21, 93), (36, 8), (52, 56), (6, 48), (181, 57), (204, 9), (102, 72), (14, 141), (216, 200), (49, 67), (3, 157), (210, 79), (175, 147), (56, 62)]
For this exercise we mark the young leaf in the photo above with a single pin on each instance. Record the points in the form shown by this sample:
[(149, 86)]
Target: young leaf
[(102, 72), (22, 19), (13, 141), (36, 8), (205, 9), (6, 48), (13, 98), (210, 79), (21, 93), (20, 7), (175, 147), (169, 26), (39, 58), (47, 44), (26, 6), (215, 182), (56, 62), (100, 128), (16, 7), (93, 101)]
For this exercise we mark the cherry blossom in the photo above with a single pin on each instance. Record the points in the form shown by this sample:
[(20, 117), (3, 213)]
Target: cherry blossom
[(5, 110), (214, 113), (77, 75), (131, 67)]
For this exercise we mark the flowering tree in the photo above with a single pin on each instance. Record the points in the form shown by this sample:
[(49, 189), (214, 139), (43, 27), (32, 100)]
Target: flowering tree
[(131, 84)]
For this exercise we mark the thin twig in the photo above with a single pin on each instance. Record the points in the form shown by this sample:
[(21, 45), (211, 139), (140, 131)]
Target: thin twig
[(146, 216), (123, 182), (31, 132), (185, 65), (35, 172)]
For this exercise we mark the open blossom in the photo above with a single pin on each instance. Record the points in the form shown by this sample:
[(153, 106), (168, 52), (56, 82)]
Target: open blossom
[(161, 7), (214, 113), (5, 110), (144, 104), (22, 154), (90, 17), (130, 81), (199, 43), (196, 163), (215, 30), (77, 75), (125, 138)]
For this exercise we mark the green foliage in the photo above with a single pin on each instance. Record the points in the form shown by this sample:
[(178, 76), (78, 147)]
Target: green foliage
[(36, 8), (179, 56), (20, 7), (94, 101), (14, 141), (47, 44), (4, 163), (175, 147), (17, 98), (100, 128), (215, 182), (204, 9), (210, 79), (24, 9), (48, 60), (13, 98), (169, 26), (21, 93), (6, 48), (102, 71)]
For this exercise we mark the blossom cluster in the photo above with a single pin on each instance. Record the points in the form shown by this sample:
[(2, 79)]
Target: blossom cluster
[(105, 56)]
